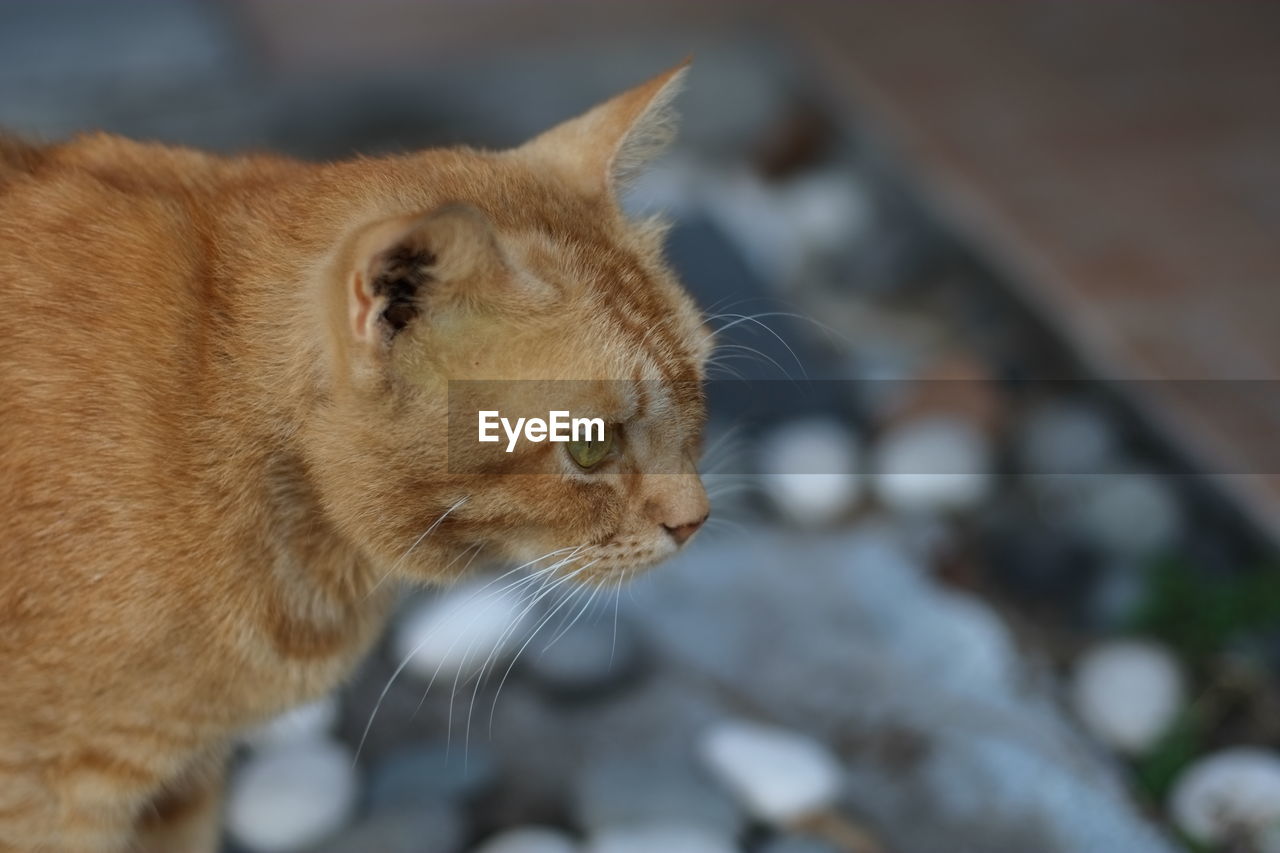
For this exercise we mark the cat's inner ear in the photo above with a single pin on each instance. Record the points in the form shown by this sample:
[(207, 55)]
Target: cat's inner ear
[(399, 266), (598, 151)]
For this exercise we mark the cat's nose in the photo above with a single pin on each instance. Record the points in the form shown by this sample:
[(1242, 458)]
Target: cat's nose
[(678, 503), (682, 532)]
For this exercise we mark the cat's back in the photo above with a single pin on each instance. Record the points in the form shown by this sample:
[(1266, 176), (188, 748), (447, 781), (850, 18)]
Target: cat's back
[(97, 254), (17, 159), (109, 305), (110, 264), (96, 236)]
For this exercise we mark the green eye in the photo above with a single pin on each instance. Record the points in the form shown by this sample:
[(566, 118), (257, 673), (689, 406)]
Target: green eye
[(589, 454)]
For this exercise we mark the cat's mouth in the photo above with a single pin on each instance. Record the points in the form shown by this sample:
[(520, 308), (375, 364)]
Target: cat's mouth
[(609, 562), (619, 559)]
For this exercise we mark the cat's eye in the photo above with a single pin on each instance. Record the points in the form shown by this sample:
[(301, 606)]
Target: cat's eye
[(589, 454)]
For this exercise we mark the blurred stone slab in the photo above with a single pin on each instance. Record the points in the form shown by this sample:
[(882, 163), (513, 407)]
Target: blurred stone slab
[(1118, 162), (950, 736)]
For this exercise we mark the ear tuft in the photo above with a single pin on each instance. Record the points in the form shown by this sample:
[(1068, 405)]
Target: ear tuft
[(600, 150)]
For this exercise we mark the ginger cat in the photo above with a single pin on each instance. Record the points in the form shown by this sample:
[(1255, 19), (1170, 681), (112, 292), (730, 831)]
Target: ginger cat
[(223, 404)]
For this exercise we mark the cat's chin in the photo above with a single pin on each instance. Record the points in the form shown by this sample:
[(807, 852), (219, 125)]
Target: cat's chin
[(616, 561), (608, 562)]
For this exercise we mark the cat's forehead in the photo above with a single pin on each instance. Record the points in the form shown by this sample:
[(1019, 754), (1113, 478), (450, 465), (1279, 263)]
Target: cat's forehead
[(639, 309), (604, 272)]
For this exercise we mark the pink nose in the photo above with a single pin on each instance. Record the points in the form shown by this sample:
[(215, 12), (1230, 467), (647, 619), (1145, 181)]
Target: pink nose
[(682, 532)]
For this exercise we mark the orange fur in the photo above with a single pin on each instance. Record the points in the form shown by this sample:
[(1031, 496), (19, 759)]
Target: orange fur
[(224, 389)]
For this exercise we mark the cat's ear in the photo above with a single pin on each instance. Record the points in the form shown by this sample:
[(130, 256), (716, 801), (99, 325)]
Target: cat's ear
[(395, 267), (599, 150)]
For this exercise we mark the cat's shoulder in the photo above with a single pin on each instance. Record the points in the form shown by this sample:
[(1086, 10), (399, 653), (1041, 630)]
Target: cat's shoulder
[(99, 164), (18, 157)]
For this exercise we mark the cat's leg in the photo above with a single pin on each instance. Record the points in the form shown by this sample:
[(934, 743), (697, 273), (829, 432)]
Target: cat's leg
[(186, 817), (76, 833), (36, 815)]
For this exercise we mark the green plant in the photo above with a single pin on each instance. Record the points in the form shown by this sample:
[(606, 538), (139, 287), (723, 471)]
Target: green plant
[(1198, 614)]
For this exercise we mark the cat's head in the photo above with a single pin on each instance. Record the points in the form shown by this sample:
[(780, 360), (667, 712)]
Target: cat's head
[(512, 282)]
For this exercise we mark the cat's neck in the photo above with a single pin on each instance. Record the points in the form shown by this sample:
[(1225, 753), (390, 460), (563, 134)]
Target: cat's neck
[(326, 594), (270, 244)]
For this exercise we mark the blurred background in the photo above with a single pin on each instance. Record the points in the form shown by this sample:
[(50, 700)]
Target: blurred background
[(994, 459)]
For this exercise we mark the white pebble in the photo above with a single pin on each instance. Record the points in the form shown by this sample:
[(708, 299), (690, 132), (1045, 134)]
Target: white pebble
[(936, 464), (779, 775), (748, 211), (460, 630), (1129, 514), (659, 838), (1061, 438), (1232, 794), (312, 721), (529, 839), (292, 797), (1128, 693), (810, 470), (830, 211)]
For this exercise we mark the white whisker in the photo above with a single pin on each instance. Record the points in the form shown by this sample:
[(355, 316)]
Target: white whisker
[(830, 330), (617, 606), (415, 544), (405, 662), (744, 318), (750, 354), (491, 660), (566, 628), (545, 575), (494, 709)]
